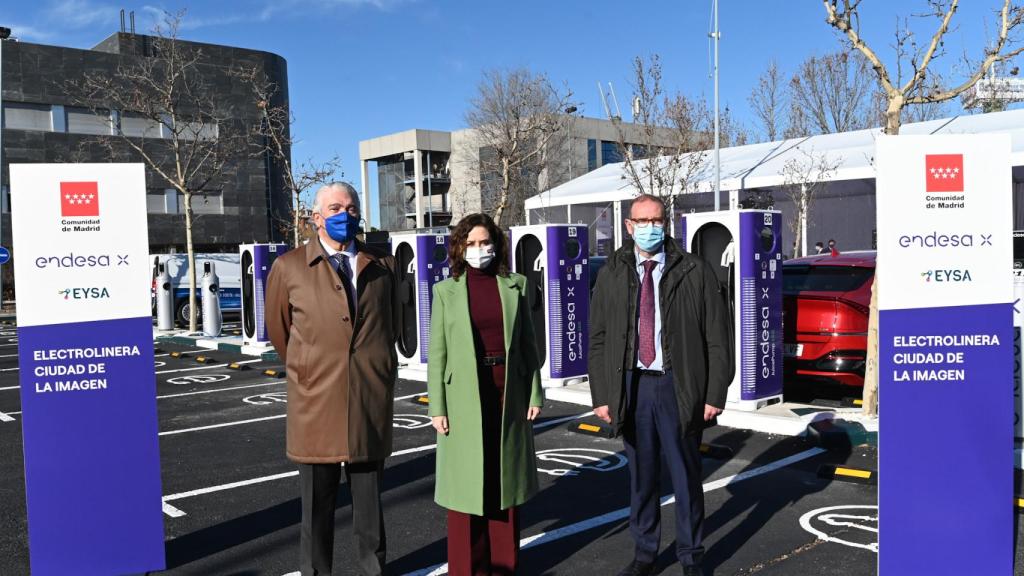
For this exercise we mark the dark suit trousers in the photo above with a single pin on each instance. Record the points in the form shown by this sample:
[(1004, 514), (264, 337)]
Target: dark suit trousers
[(652, 429), (319, 490)]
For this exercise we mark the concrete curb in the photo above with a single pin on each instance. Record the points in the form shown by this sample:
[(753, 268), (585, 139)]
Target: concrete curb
[(832, 428), (226, 344)]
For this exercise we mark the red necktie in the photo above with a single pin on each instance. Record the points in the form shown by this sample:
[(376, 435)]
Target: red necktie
[(646, 328)]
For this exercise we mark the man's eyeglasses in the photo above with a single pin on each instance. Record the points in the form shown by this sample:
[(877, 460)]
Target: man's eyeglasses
[(645, 222), (352, 211)]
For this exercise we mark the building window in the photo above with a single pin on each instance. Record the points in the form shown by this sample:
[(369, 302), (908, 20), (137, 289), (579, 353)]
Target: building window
[(87, 121), (170, 201), (139, 126), (162, 201), (210, 203), (21, 116), (591, 154), (610, 152)]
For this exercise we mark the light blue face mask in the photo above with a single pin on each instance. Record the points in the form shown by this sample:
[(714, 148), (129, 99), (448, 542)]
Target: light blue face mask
[(648, 238)]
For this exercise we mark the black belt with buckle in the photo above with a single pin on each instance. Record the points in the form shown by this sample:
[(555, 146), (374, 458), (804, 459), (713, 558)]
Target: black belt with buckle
[(652, 373), (492, 360)]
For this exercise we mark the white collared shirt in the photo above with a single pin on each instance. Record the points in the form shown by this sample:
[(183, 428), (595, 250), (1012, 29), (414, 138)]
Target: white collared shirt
[(351, 255)]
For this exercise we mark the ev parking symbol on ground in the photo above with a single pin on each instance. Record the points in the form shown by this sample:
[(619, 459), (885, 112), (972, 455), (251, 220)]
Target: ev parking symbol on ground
[(858, 525), (265, 399), (576, 459), (198, 379), (412, 421)]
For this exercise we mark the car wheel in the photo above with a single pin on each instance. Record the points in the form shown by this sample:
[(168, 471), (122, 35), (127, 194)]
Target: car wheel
[(181, 312)]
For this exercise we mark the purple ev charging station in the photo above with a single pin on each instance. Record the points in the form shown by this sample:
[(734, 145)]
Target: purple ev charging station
[(422, 257), (554, 259), (744, 247), (256, 260)]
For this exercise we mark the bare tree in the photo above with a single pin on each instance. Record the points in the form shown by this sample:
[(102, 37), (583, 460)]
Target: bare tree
[(272, 139), (769, 100), (516, 118), (834, 92), (844, 16), (803, 177), (665, 149), (178, 130)]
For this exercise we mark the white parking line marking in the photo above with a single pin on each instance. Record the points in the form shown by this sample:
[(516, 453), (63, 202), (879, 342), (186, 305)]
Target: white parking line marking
[(219, 390), (210, 367), (229, 486), (5, 418), (623, 513), (172, 511), (221, 425), (296, 472), (410, 396), (10, 388)]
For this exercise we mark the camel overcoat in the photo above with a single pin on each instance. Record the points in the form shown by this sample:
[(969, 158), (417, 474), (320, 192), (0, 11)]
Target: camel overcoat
[(341, 365), (454, 391)]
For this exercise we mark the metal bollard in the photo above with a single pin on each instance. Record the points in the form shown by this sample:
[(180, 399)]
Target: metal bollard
[(164, 300), (211, 301)]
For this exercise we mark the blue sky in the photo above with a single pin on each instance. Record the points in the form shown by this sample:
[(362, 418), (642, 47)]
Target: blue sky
[(365, 68)]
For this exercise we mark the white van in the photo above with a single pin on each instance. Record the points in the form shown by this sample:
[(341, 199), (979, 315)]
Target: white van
[(229, 272)]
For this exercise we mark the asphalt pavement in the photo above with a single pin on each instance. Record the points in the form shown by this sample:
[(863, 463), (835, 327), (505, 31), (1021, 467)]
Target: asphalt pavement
[(231, 497)]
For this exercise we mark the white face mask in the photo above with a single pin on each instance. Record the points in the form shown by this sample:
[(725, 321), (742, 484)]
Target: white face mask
[(479, 257)]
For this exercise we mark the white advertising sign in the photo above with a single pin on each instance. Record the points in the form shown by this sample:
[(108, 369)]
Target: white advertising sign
[(81, 242), (85, 359), (939, 243)]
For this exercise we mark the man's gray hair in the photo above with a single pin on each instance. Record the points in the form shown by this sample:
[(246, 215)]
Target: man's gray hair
[(350, 189)]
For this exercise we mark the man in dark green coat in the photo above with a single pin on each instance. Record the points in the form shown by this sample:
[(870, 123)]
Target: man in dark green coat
[(660, 364)]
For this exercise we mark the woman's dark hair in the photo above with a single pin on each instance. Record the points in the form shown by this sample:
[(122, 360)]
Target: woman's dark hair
[(457, 244)]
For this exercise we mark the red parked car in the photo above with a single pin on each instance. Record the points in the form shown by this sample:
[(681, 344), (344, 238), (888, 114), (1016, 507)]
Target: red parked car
[(826, 300)]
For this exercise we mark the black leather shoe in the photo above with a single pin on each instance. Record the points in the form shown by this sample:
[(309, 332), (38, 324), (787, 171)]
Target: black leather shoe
[(638, 568), (693, 570)]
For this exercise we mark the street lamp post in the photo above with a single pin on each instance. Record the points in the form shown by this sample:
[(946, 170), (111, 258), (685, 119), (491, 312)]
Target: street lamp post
[(718, 161), (571, 110), (5, 33)]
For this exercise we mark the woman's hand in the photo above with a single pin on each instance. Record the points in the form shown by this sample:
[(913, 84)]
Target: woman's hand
[(532, 412), (441, 424)]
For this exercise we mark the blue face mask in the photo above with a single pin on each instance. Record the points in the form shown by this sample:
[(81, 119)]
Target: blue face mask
[(648, 238), (342, 227)]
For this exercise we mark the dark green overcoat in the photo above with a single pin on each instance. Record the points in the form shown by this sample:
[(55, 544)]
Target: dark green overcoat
[(454, 392)]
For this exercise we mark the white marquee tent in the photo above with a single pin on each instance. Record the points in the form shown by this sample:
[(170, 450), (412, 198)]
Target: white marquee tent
[(600, 196)]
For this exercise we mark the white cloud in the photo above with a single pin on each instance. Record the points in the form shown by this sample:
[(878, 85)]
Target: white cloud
[(77, 14), (273, 7), (29, 33)]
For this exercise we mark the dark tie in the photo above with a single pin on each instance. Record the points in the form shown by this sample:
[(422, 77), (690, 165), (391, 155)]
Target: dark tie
[(646, 329), (345, 273)]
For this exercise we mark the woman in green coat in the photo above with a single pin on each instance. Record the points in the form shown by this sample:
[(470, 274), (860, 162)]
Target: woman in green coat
[(484, 386)]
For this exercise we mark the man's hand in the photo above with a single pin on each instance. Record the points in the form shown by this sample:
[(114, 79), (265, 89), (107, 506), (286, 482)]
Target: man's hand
[(441, 424), (710, 412), (532, 412), (602, 413)]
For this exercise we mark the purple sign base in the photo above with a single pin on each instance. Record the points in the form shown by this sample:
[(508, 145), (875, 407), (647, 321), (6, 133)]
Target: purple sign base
[(92, 457), (946, 441)]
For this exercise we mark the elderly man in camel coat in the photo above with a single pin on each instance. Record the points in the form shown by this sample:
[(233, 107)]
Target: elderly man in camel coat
[(331, 316)]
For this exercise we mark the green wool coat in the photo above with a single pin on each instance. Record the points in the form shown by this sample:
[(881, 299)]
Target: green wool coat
[(454, 392)]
